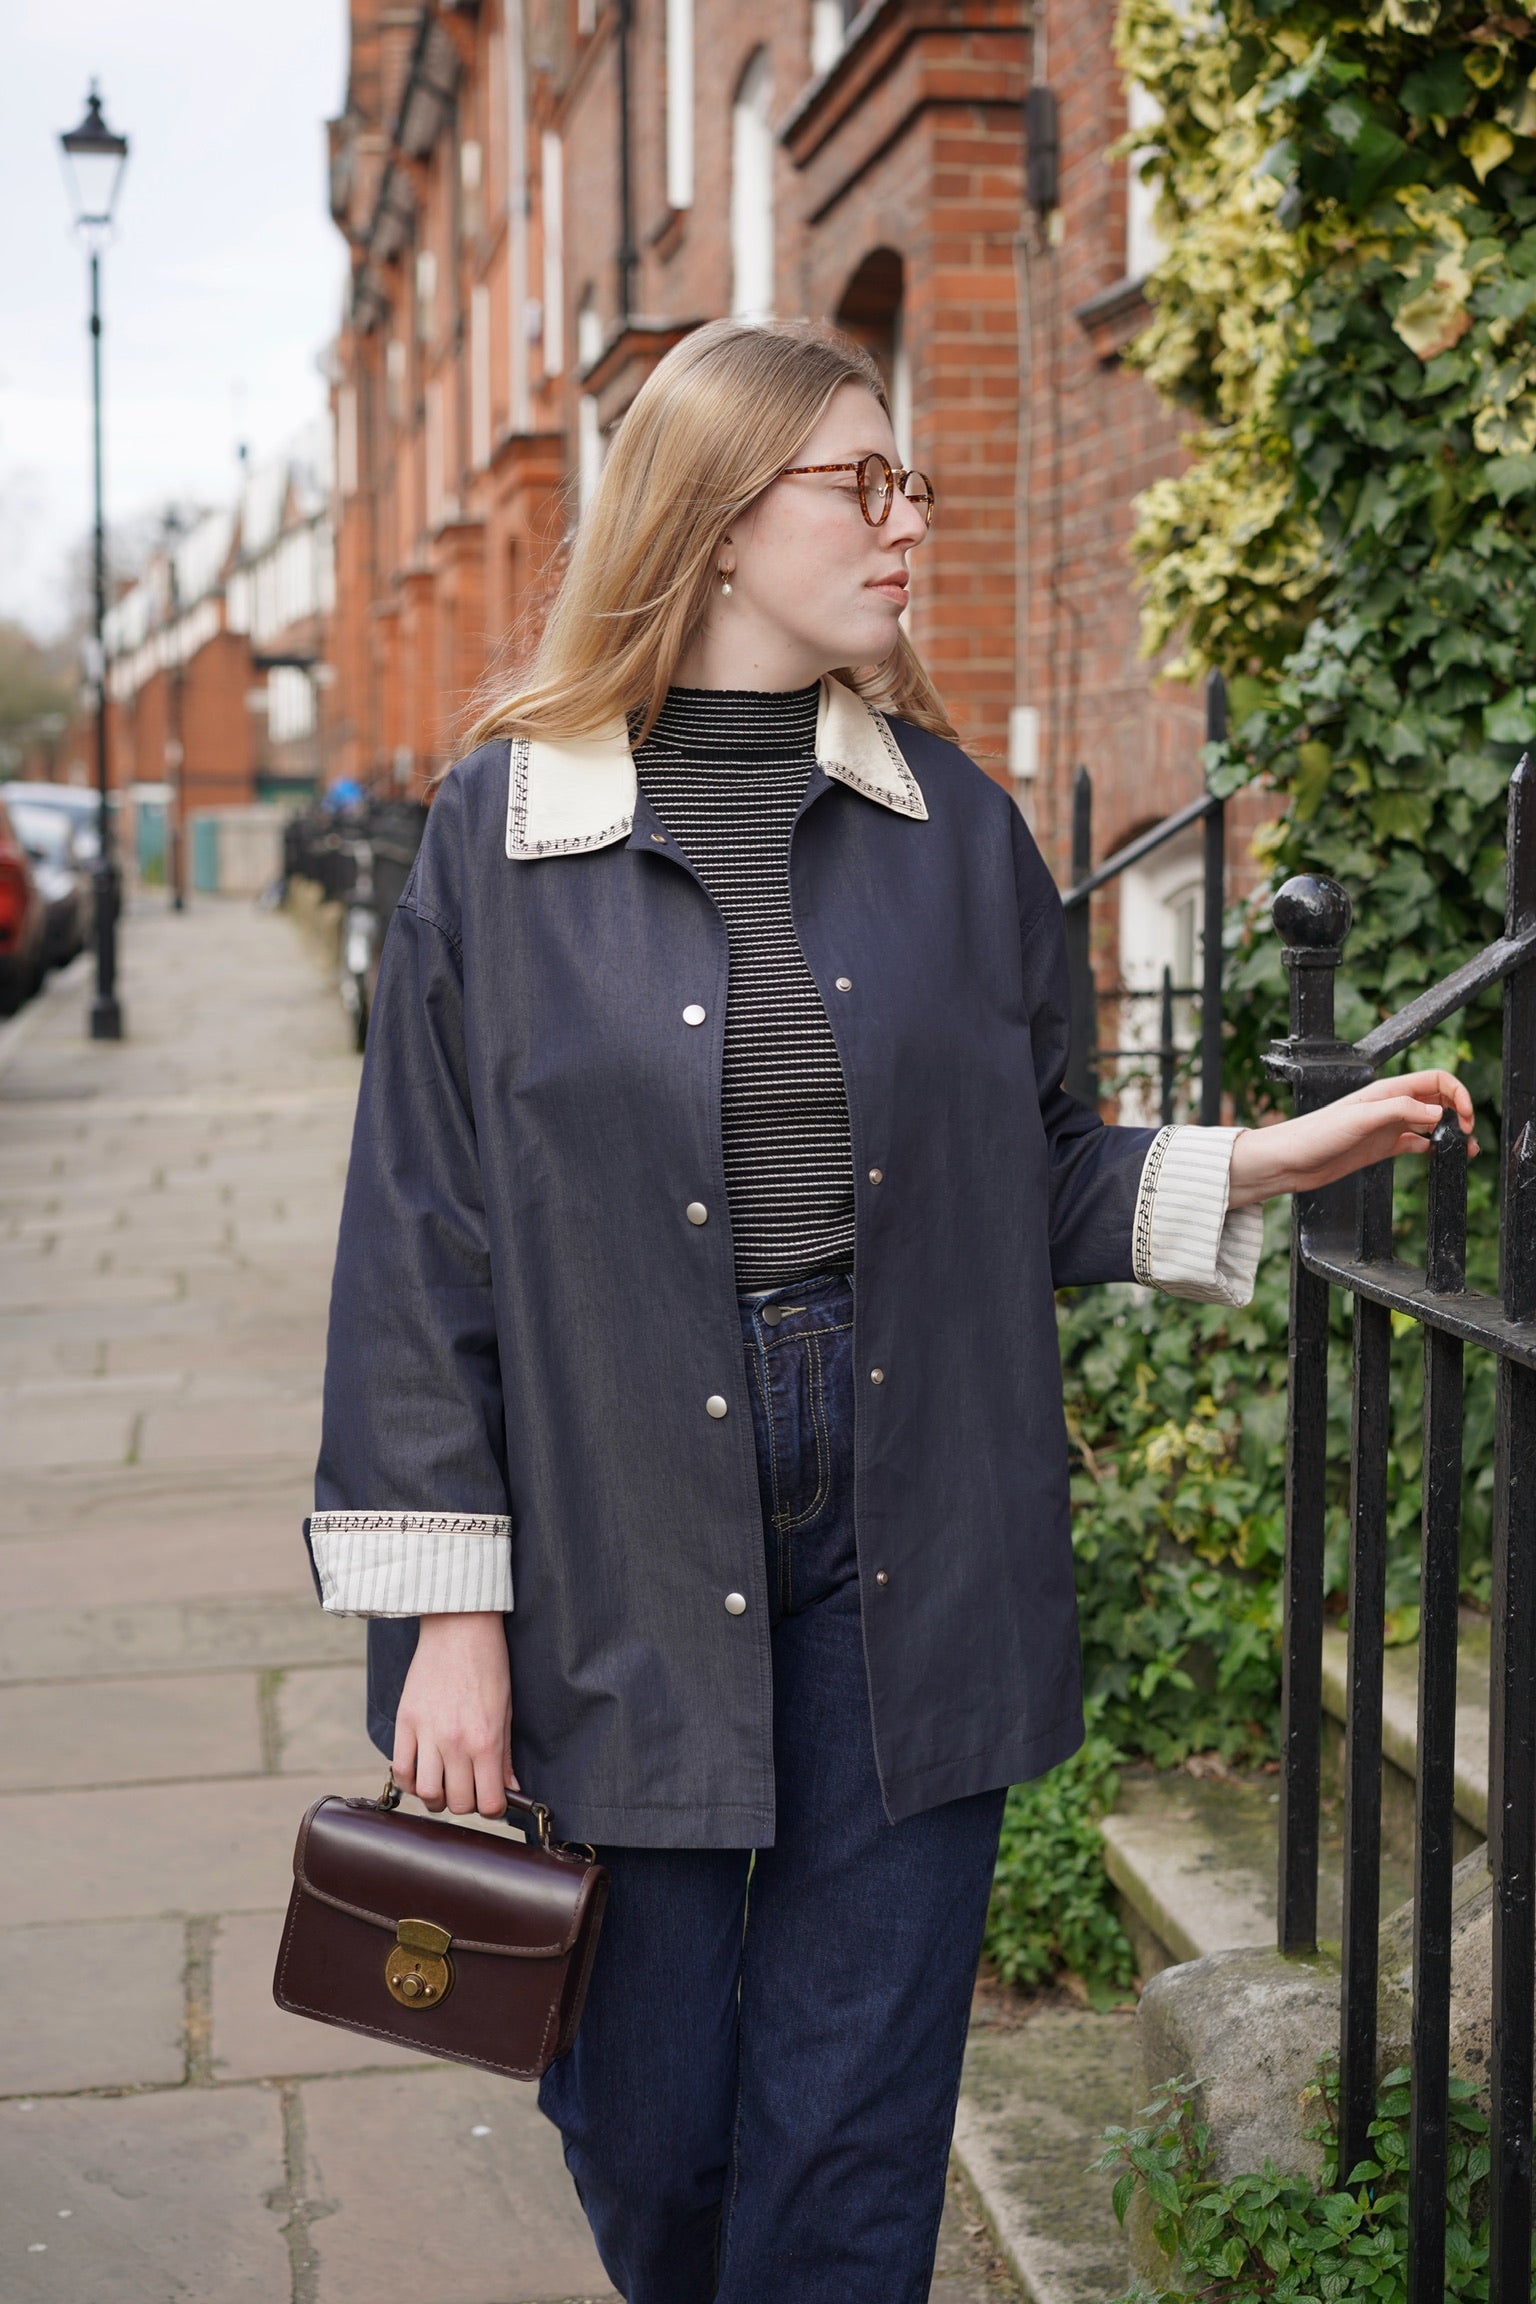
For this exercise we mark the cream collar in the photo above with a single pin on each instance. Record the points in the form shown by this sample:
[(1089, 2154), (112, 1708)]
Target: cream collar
[(577, 794)]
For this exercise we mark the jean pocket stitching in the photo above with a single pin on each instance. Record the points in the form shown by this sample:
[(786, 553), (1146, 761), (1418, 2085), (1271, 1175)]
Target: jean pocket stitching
[(818, 1423)]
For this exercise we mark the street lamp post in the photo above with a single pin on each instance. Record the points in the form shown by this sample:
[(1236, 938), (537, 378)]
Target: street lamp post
[(94, 159)]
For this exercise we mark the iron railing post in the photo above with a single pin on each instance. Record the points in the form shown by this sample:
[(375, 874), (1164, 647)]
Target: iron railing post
[(1167, 1051), (1313, 917), (1082, 1073), (1370, 1435), (1434, 1840), (1512, 1719), (1214, 908)]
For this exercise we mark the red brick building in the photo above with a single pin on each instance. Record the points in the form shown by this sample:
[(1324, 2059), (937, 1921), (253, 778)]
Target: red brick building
[(216, 654), (542, 196)]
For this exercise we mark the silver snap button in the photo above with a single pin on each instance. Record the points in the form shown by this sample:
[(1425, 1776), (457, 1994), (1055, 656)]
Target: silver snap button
[(735, 1603), (660, 839), (877, 1175), (877, 1375), (693, 1013), (844, 983), (715, 1405), (696, 1212), (881, 1576), (772, 1315)]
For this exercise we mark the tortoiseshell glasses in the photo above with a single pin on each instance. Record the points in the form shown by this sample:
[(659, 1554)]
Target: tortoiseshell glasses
[(878, 484)]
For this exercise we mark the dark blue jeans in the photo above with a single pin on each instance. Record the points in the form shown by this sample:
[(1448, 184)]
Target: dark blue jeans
[(758, 2105)]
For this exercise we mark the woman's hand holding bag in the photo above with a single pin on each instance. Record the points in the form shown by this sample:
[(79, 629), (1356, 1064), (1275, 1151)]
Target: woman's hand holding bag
[(453, 1731)]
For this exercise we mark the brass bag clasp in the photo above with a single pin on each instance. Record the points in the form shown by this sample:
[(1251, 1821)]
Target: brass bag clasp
[(418, 1972)]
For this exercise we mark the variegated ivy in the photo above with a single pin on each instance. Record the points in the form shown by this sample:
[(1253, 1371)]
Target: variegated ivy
[(1347, 307)]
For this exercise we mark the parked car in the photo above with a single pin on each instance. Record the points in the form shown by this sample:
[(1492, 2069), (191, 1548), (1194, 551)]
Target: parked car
[(52, 839), (79, 802), (23, 920)]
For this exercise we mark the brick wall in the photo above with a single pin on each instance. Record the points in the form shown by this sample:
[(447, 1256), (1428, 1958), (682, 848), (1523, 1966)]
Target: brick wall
[(898, 184)]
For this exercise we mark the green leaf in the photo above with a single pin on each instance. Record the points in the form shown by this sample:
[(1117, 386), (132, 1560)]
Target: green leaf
[(1511, 476), (1401, 816), (1512, 720), (1440, 90)]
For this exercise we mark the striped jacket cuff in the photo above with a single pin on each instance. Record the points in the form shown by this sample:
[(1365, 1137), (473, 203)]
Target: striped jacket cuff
[(412, 1563), (1188, 1242)]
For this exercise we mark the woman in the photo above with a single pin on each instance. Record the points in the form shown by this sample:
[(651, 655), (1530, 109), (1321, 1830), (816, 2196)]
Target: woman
[(693, 1421)]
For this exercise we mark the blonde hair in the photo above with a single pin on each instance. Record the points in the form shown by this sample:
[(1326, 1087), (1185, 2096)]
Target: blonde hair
[(710, 428)]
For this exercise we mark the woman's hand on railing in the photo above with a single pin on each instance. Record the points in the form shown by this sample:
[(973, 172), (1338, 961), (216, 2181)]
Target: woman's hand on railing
[(453, 1731), (1374, 1123)]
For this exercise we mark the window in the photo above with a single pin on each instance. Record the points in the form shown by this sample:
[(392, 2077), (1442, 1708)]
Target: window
[(679, 103), (589, 436), (826, 34), (471, 177), (346, 439), (552, 175), (1143, 248), (1161, 905), (830, 20), (480, 374), (434, 453), (396, 366), (426, 296), (290, 704), (752, 193)]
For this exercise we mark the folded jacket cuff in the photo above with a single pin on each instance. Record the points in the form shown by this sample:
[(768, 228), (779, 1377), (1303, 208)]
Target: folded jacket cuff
[(1188, 1242), (412, 1563)]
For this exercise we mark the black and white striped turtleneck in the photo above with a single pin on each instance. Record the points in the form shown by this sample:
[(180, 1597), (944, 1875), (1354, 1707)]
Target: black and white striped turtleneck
[(726, 771)]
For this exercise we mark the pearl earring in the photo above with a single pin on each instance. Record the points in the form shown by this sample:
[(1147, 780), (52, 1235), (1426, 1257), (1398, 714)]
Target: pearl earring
[(725, 582)]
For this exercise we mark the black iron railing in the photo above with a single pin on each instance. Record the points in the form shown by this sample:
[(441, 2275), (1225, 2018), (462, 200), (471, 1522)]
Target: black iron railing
[(1342, 1238), (1083, 1069)]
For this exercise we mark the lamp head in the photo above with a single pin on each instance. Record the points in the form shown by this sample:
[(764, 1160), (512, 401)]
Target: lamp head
[(93, 158)]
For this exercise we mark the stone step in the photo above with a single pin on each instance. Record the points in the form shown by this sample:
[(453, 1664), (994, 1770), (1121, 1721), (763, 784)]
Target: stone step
[(1036, 2098), (1193, 1859), (1400, 1730)]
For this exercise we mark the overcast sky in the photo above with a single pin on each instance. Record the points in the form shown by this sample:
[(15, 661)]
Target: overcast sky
[(223, 283)]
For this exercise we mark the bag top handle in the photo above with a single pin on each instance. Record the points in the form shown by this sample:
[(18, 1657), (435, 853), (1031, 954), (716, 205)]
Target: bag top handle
[(519, 1809)]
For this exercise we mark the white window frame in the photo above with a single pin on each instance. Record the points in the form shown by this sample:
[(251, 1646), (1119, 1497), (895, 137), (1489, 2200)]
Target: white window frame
[(679, 34), (1144, 247), (346, 439), (552, 179), (752, 167), (480, 375)]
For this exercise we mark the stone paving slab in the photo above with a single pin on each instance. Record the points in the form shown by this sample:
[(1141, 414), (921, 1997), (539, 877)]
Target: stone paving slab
[(57, 1643), (505, 2226), (221, 1553), (224, 1845), (102, 2005), (254, 2039), (225, 1432), (319, 1714), (69, 1436), (143, 1731), (145, 2199)]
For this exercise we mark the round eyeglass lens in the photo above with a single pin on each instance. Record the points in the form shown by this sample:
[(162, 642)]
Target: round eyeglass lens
[(918, 489), (875, 478)]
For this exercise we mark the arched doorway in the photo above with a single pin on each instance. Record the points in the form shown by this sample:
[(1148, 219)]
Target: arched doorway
[(872, 312)]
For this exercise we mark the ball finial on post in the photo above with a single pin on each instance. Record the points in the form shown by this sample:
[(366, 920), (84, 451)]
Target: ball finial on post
[(1312, 914)]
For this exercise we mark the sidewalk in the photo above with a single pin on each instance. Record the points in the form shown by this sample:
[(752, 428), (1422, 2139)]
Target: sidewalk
[(171, 1697)]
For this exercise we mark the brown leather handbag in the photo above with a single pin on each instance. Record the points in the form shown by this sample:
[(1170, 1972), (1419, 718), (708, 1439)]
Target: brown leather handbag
[(445, 1939)]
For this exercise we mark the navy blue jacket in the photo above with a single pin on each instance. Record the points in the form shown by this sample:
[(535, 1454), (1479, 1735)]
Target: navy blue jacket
[(525, 1326)]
